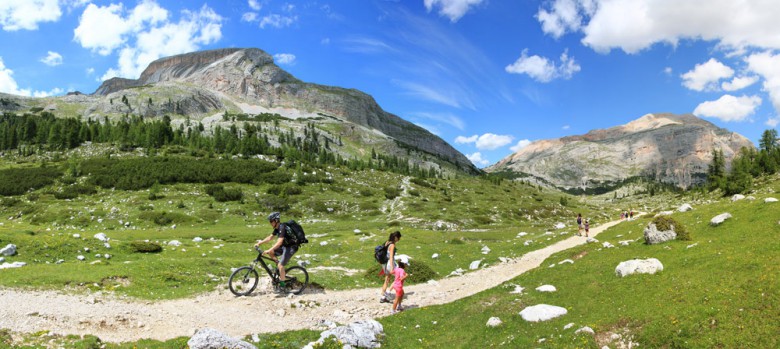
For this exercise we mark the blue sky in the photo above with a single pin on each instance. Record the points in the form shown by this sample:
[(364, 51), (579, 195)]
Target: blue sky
[(488, 76)]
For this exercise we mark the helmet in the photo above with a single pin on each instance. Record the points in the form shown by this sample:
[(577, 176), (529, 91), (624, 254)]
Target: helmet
[(274, 216)]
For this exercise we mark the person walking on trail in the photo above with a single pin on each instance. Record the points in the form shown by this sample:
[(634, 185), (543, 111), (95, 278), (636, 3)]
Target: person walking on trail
[(587, 227), (282, 245), (579, 224), (388, 267), (398, 286)]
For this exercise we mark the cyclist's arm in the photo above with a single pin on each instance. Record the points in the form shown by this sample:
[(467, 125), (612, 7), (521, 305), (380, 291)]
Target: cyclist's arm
[(273, 248), (260, 242)]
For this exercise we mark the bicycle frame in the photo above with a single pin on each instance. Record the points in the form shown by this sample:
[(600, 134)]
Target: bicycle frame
[(261, 261)]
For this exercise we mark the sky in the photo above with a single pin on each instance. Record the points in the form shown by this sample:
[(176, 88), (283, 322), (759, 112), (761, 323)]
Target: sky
[(487, 76)]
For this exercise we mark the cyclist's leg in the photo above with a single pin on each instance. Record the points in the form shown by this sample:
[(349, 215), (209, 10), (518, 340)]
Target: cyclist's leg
[(286, 253)]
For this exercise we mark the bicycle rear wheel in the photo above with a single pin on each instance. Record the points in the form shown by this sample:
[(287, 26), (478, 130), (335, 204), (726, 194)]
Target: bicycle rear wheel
[(297, 280), (243, 281)]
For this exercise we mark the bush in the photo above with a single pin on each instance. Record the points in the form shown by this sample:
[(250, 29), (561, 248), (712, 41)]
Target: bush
[(664, 223), (139, 246), (418, 271), (273, 203), (164, 218), (223, 195), (17, 181), (392, 192), (73, 191)]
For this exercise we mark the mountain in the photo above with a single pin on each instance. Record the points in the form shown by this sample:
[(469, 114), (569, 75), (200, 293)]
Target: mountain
[(675, 149), (209, 86)]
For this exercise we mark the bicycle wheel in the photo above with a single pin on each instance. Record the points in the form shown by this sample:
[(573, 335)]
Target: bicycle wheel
[(297, 280), (243, 281)]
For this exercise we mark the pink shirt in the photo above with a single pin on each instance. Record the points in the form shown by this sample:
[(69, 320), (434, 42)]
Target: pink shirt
[(399, 273)]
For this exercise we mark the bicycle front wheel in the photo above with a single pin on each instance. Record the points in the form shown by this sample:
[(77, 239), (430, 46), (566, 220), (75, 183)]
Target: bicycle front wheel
[(297, 280), (243, 281)]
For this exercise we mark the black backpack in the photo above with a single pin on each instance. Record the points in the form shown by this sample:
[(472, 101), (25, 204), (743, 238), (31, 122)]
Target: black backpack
[(380, 253), (294, 234)]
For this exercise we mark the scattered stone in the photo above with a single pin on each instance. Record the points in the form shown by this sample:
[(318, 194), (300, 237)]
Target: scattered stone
[(639, 266), (323, 243), (566, 261), (542, 312), (360, 334), (625, 242), (685, 208), (8, 250), (485, 250), (528, 242), (664, 213), (737, 197), (12, 265), (585, 329), (751, 197), (101, 237), (60, 261), (591, 240), (568, 326), (606, 244), (717, 220), (435, 256), (457, 272), (560, 225), (654, 236), (546, 288), (521, 234), (768, 200), (77, 236), (173, 226), (357, 231), (174, 243), (494, 322), (475, 264), (403, 258), (86, 249), (197, 239), (80, 257), (209, 338), (106, 245), (518, 289), (2, 259), (692, 245)]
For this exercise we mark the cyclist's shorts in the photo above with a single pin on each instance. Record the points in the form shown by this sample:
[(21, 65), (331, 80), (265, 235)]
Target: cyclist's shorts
[(286, 252)]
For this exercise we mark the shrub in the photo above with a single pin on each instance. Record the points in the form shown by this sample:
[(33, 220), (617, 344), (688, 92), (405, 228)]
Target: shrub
[(139, 246), (164, 218), (392, 192), (16, 181), (664, 223), (419, 272), (366, 192), (73, 191), (223, 195), (9, 202), (273, 203)]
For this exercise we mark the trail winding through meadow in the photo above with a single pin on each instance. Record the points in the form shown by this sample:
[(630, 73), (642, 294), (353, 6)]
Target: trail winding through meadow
[(114, 319)]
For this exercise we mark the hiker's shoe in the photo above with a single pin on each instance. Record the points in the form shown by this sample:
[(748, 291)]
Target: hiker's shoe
[(383, 299)]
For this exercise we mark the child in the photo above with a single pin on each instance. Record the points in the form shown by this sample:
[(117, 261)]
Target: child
[(398, 286), (587, 227)]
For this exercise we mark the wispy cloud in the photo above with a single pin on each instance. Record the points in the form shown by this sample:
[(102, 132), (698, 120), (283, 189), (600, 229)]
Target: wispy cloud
[(772, 122), (367, 45), (452, 9), (52, 59), (284, 58), (445, 118), (429, 93)]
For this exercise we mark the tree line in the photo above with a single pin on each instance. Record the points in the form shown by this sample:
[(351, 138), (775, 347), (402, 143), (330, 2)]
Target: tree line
[(748, 164)]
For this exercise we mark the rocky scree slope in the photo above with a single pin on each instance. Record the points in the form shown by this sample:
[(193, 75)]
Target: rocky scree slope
[(675, 149)]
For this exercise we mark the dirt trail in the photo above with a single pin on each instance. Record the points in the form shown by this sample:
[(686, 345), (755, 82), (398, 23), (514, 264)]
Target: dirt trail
[(119, 320)]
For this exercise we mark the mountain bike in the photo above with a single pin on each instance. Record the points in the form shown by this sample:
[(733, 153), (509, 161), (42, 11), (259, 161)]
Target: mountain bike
[(244, 279)]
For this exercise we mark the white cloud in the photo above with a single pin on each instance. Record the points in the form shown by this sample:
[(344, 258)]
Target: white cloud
[(668, 70), (26, 14), (52, 59), (738, 83), (446, 118), (772, 122), (284, 58), (453, 9), (633, 25), (565, 127), (729, 108), (431, 94), (477, 159), (8, 84), (277, 21), (490, 141), (767, 66), (90, 71), (705, 76), (542, 69), (144, 33), (520, 145), (466, 140), (249, 17), (255, 5)]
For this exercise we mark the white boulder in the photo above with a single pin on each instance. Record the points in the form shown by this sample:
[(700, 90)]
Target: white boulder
[(81, 257), (174, 243), (209, 338), (494, 322), (475, 264), (360, 334), (197, 239), (639, 266), (768, 200), (717, 220), (585, 329), (560, 225), (12, 265), (684, 208), (435, 256), (8, 250), (737, 197), (485, 250), (542, 312), (546, 288), (518, 289), (101, 237)]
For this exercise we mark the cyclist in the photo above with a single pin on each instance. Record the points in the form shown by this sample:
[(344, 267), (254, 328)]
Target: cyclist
[(282, 247)]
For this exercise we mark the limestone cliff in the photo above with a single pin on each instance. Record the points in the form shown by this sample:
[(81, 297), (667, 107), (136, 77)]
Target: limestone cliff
[(674, 149)]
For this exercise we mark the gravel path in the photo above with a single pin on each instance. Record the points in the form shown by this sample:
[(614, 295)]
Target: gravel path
[(114, 319)]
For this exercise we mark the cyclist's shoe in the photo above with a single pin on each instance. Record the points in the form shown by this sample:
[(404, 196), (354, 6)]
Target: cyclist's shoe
[(283, 283)]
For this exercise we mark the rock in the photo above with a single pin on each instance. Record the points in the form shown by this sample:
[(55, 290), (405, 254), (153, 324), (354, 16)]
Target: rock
[(521, 234), (209, 338), (403, 258), (77, 236), (323, 243), (12, 265), (542, 312), (546, 288), (435, 256), (639, 266), (106, 245), (591, 240), (606, 244), (768, 200), (197, 239), (475, 265), (101, 237), (174, 243), (80, 257), (717, 220), (2, 259), (664, 213), (568, 326), (737, 197), (494, 322), (8, 250), (560, 225), (684, 208), (653, 236), (691, 245), (624, 242), (485, 250), (518, 289), (360, 334), (357, 231), (585, 329)]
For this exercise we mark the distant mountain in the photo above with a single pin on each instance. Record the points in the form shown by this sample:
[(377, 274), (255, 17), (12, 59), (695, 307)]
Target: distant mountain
[(204, 86), (675, 149)]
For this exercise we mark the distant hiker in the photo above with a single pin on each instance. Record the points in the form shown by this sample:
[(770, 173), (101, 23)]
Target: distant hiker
[(630, 214), (390, 265), (579, 224), (622, 215), (587, 227), (282, 246), (398, 286)]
